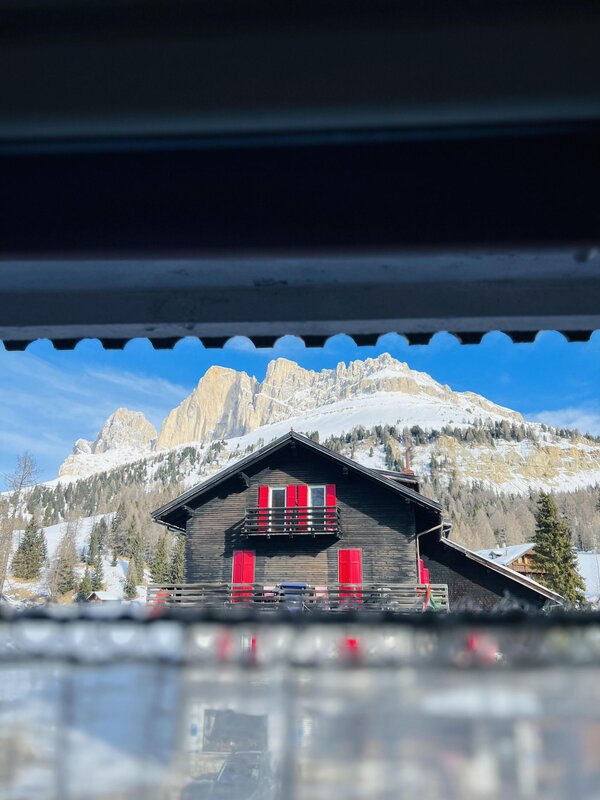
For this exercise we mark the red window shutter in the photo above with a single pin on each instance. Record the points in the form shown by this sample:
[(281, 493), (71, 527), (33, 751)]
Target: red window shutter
[(302, 498), (243, 574), (291, 494), (263, 507), (350, 571), (330, 506)]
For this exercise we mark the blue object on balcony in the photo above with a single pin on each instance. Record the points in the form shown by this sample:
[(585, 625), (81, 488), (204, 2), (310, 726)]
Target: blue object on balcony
[(292, 595)]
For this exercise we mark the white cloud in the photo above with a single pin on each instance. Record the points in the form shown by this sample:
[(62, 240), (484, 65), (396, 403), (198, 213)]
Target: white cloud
[(45, 407), (586, 420), (152, 386)]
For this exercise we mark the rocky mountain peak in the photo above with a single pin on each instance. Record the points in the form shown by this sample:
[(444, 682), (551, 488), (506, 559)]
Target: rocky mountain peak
[(125, 433), (281, 370), (125, 429), (220, 405)]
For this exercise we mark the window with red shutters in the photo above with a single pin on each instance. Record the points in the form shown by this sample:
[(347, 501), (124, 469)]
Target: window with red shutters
[(243, 574), (350, 572)]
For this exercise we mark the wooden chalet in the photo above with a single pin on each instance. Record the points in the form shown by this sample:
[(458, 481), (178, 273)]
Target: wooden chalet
[(299, 525)]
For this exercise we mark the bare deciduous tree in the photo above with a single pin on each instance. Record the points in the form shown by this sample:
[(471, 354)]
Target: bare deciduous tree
[(24, 475)]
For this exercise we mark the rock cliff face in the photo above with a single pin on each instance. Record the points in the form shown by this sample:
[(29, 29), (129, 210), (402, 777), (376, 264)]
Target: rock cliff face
[(125, 433), (125, 429), (228, 404), (220, 406)]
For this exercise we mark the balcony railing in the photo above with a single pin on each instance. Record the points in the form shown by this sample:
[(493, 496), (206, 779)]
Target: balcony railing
[(292, 521), (294, 597)]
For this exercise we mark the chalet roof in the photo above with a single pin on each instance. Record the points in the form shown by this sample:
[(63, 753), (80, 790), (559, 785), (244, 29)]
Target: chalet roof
[(106, 597), (168, 514), (588, 565), (506, 555), (506, 571)]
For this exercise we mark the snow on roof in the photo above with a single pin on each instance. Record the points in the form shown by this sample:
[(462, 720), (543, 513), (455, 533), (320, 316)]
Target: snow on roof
[(588, 565), (106, 597), (506, 555)]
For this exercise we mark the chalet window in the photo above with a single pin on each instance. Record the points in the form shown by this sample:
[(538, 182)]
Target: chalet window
[(277, 496), (287, 510), (316, 495), (316, 501)]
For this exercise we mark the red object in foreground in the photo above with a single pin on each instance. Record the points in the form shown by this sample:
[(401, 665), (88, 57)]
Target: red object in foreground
[(352, 644), (243, 574), (160, 598)]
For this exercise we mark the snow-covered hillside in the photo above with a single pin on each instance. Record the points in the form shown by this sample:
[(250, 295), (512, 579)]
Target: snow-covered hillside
[(114, 576)]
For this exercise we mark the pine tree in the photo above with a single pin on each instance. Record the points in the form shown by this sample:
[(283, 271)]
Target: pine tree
[(62, 576), (31, 553), (136, 552), (131, 580), (93, 550), (84, 589), (118, 532), (98, 577), (101, 529), (177, 567), (553, 555), (160, 563)]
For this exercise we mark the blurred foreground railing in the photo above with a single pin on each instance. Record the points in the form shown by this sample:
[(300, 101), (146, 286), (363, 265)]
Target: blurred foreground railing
[(297, 597), (186, 704)]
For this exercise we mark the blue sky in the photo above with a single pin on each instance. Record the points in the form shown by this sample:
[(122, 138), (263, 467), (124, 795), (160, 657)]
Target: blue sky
[(49, 398)]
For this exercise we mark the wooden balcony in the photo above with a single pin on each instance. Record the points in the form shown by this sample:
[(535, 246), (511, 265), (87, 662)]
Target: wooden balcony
[(292, 521), (292, 597)]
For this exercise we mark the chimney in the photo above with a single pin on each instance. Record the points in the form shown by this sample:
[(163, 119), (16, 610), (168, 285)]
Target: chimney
[(407, 470)]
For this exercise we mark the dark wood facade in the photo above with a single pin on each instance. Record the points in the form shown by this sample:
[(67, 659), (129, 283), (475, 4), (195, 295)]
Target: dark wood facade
[(474, 584), (386, 518), (372, 518)]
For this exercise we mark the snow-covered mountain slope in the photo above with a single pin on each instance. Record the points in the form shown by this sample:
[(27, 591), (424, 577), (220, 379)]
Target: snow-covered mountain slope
[(234, 408)]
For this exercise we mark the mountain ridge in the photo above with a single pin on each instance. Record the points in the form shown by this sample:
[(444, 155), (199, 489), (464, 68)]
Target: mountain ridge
[(227, 404)]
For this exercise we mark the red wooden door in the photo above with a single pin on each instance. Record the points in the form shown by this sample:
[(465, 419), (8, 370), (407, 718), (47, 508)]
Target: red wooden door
[(350, 572), (243, 574)]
